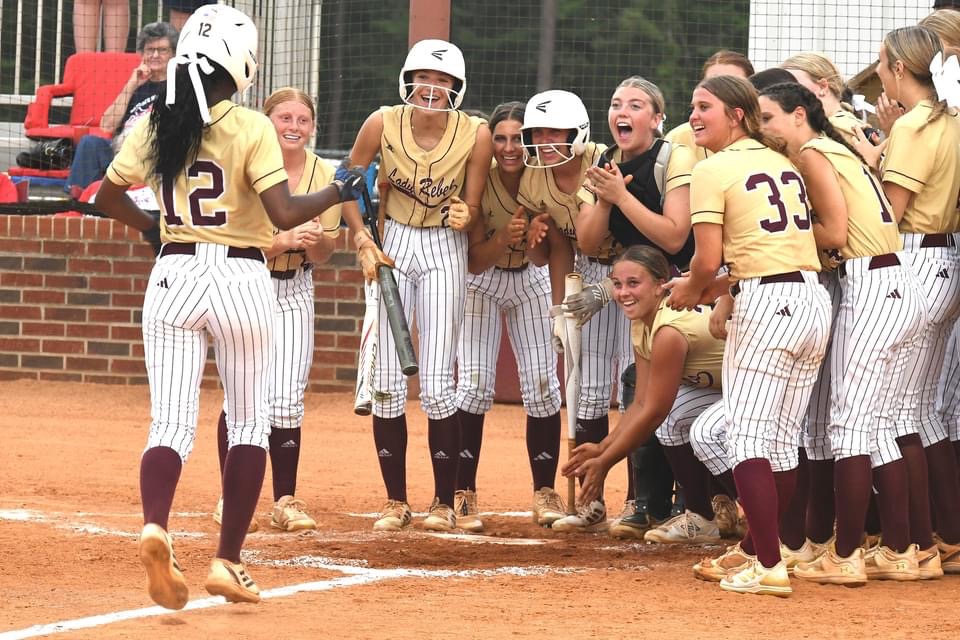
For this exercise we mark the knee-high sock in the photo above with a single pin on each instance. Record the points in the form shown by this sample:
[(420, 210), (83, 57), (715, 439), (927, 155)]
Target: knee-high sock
[(921, 526), (893, 502), (944, 490), (284, 460), (444, 440), (242, 481), (543, 449), (222, 444), (390, 438), (758, 496), (693, 477), (820, 505), (853, 487), (159, 473), (471, 438)]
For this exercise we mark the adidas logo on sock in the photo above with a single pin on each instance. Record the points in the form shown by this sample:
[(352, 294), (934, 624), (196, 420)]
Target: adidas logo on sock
[(466, 454), (543, 456), (580, 428), (289, 444), (440, 455), (384, 453), (785, 312), (895, 294)]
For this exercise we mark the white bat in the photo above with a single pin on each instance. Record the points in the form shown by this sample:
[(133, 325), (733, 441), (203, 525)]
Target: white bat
[(571, 368), (367, 363)]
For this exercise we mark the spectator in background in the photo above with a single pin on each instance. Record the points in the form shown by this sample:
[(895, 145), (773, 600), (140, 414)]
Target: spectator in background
[(86, 21), (180, 10), (156, 42)]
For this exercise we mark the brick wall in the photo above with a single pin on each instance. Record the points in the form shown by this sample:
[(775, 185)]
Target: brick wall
[(71, 294)]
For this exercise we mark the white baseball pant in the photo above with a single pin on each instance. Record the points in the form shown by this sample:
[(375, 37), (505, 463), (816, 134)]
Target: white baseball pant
[(816, 424), (690, 402), (292, 348)]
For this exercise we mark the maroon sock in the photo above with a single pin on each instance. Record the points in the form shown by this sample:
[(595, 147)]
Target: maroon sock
[(159, 474), (693, 477), (853, 482), (793, 513), (390, 438), (444, 439), (284, 460), (747, 543), (726, 481), (944, 490), (471, 437), (872, 524), (956, 451), (921, 526), (758, 495), (820, 505), (242, 481), (893, 502), (222, 444), (543, 449)]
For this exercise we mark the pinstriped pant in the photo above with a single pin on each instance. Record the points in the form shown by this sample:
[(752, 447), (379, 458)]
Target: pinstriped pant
[(948, 389), (882, 312), (431, 276), (816, 424), (292, 349), (690, 402), (708, 438), (605, 349), (523, 297), (191, 297), (938, 271), (775, 343)]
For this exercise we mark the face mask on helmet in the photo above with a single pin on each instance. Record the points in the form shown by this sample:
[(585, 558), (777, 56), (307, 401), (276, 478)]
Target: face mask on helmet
[(220, 34), (554, 110), (434, 55)]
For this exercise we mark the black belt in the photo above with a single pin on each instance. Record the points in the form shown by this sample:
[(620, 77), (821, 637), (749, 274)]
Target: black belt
[(604, 261), (522, 267), (289, 273), (791, 276), (190, 249), (876, 262), (931, 240)]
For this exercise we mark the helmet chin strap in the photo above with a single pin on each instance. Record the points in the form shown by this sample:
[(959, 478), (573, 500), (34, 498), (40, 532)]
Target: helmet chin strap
[(195, 64)]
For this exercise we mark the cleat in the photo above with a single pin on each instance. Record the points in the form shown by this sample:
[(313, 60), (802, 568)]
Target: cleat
[(807, 552), (590, 518), (883, 563), (231, 581), (440, 517), (686, 528), (465, 508), (716, 569), (759, 580), (829, 568), (288, 515), (165, 582), (547, 507), (394, 516), (929, 563), (218, 517), (949, 556)]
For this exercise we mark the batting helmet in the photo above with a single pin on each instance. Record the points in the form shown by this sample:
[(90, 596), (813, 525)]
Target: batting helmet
[(435, 55), (555, 109)]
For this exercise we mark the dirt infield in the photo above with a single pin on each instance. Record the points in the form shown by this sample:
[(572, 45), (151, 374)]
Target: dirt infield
[(70, 516)]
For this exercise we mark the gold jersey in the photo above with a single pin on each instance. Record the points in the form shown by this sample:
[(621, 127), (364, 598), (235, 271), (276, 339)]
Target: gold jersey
[(423, 182), (683, 134), (317, 173), (498, 207), (216, 198), (871, 227), (926, 163), (760, 199), (539, 193), (704, 360), (846, 124)]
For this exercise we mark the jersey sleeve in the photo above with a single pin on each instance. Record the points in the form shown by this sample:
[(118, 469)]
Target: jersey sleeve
[(706, 195), (264, 160), (128, 166), (329, 219), (902, 164), (679, 168)]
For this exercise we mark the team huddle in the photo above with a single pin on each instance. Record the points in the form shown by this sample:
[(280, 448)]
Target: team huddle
[(775, 288)]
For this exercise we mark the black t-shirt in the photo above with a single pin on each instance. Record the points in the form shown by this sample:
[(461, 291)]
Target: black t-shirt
[(643, 187), (140, 102)]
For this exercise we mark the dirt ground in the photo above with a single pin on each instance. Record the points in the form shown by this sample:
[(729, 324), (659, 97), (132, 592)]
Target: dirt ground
[(70, 516)]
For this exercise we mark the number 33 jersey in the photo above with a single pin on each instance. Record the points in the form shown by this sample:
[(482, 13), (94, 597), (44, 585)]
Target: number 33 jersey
[(215, 199), (760, 199)]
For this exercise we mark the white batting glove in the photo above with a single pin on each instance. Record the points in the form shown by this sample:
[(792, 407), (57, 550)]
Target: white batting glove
[(585, 304)]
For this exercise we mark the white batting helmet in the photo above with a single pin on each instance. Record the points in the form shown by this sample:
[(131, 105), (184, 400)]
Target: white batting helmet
[(555, 109), (220, 34), (435, 55)]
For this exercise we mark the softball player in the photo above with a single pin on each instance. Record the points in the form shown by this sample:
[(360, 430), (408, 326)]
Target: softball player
[(749, 209), (503, 282), (922, 189), (213, 164), (817, 73), (435, 160), (290, 260), (721, 63), (678, 346), (880, 313), (558, 152)]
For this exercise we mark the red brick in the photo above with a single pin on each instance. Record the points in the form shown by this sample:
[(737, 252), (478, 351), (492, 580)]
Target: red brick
[(18, 246), (43, 328), (335, 357), (61, 248), (21, 280), (88, 265), (59, 227), (89, 230), (110, 315), (87, 364), (44, 296), (329, 388), (75, 228), (132, 267), (30, 226), (118, 231), (104, 229), (345, 341), (88, 331), (16, 226), (18, 375), (63, 346), (321, 373), (324, 340), (351, 276), (136, 350), (133, 367), (324, 275), (46, 227), (142, 250), (95, 379), (61, 377), (17, 312), (4, 225), (110, 283), (21, 345), (68, 314), (140, 284), (126, 299), (65, 282), (333, 292), (112, 249), (130, 333)]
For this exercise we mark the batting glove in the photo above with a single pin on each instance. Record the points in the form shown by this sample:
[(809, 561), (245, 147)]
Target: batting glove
[(371, 258), (585, 304), (349, 182)]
